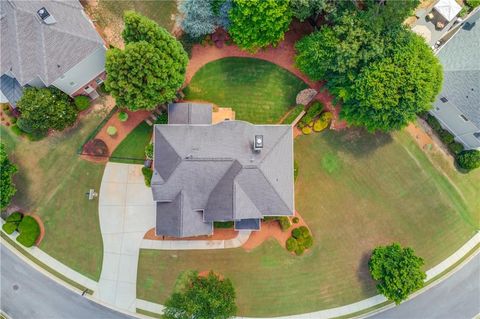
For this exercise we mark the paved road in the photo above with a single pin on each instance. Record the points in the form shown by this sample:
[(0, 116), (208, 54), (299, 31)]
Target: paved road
[(27, 293), (457, 297)]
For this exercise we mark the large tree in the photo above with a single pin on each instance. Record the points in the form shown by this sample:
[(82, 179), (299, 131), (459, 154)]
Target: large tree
[(151, 68), (198, 17), (388, 93), (7, 169), (45, 108), (201, 297), (256, 24), (304, 9), (398, 271)]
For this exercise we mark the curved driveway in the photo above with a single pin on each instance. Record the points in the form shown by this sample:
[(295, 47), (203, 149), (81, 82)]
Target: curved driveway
[(457, 297), (27, 293)]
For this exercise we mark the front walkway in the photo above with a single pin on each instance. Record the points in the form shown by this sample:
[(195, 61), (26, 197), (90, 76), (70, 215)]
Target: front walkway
[(126, 212)]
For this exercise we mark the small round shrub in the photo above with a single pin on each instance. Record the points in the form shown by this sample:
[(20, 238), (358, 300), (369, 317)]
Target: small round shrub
[(29, 231), (147, 175), (308, 242), (16, 130), (299, 251), (162, 119), (111, 130), (446, 137), (82, 102), (307, 130), (297, 233), (322, 122), (149, 151), (304, 231), (13, 120), (123, 116), (455, 147), (291, 244), (469, 159), (295, 220), (12, 222)]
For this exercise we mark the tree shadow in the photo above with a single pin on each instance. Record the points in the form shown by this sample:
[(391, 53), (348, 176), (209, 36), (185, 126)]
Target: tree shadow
[(357, 141), (368, 285)]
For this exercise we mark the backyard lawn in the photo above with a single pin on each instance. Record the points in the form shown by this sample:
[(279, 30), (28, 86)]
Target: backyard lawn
[(355, 191), (132, 149), (258, 91), (52, 182)]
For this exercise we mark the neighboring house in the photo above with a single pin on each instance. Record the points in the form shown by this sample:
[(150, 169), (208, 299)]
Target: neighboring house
[(48, 43), (230, 171), (458, 105)]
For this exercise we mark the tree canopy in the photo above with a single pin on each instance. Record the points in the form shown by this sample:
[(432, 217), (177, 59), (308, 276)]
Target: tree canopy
[(385, 75), (45, 108), (151, 68), (202, 298), (256, 24), (469, 159), (7, 169), (303, 9), (398, 271), (198, 16)]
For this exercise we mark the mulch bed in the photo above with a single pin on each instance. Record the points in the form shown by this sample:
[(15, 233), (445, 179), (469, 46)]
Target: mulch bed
[(218, 234)]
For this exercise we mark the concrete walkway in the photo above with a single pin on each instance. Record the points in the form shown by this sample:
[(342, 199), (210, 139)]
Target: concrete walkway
[(127, 211), (238, 241)]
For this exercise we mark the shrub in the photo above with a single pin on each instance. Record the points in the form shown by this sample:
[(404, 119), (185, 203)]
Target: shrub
[(433, 122), (29, 231), (16, 130), (123, 116), (291, 244), (312, 111), (228, 224), (149, 151), (300, 250), (469, 159), (13, 120), (12, 222), (162, 119), (464, 11), (5, 106), (296, 233), (473, 3), (295, 220), (7, 170), (446, 137), (82, 102), (147, 174), (455, 147), (284, 223), (111, 130), (302, 238), (307, 130), (308, 242), (293, 114), (322, 122)]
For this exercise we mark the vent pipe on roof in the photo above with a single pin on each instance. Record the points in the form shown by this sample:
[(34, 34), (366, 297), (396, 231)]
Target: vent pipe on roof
[(46, 17), (258, 143)]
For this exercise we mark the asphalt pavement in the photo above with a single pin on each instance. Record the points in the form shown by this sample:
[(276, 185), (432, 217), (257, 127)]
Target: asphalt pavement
[(457, 297), (26, 293)]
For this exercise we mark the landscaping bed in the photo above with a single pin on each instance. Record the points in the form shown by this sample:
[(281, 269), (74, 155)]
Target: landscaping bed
[(258, 91)]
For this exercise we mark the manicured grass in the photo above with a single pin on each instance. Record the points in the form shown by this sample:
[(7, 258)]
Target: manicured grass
[(110, 12), (52, 182), (132, 149), (258, 91), (355, 191)]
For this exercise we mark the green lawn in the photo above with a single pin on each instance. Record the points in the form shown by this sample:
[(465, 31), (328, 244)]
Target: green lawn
[(52, 182), (258, 91), (132, 149), (355, 191)]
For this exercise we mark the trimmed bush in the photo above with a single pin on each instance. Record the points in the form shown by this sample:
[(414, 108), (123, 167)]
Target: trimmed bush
[(302, 238), (16, 130), (433, 122), (12, 222), (162, 119), (296, 233), (284, 223), (307, 130), (455, 147), (29, 231), (123, 116), (291, 244), (295, 220), (446, 137), (322, 122), (473, 3), (224, 225), (82, 102), (469, 159), (149, 151), (111, 130), (299, 251), (147, 174)]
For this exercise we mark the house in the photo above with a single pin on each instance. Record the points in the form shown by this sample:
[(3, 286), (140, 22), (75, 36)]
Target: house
[(229, 171), (48, 43), (458, 105)]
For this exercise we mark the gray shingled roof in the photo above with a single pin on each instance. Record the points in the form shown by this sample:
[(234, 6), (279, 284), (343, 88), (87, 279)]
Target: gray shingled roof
[(460, 58), (11, 89), (219, 173), (189, 113), (31, 48)]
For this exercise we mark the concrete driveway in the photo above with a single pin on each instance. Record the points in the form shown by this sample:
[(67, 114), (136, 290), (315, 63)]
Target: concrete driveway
[(127, 212)]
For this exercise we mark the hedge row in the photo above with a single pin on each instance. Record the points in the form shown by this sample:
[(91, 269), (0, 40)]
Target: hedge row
[(444, 135)]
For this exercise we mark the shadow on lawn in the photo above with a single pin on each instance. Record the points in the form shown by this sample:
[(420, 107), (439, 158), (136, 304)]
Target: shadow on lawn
[(357, 141), (363, 273)]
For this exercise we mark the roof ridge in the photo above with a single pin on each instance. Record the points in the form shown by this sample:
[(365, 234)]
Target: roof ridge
[(274, 146), (53, 27)]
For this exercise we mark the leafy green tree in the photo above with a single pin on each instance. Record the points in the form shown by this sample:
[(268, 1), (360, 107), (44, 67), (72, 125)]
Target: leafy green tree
[(202, 298), (151, 68), (398, 271), (258, 23), (45, 108), (7, 169), (390, 12), (304, 9), (389, 93), (469, 159)]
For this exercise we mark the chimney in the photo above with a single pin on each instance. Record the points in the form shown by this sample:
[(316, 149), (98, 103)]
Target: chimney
[(45, 16), (258, 143)]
